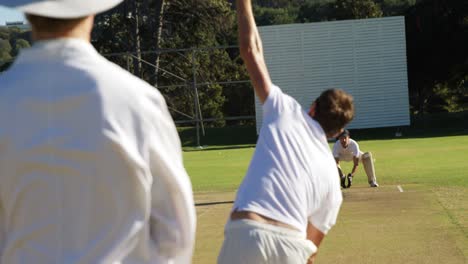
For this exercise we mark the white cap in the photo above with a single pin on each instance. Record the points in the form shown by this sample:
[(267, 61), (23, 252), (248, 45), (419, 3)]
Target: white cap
[(61, 8)]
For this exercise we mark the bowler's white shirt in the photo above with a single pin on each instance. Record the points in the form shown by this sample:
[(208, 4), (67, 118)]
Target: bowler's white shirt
[(346, 154), (292, 177), (90, 163)]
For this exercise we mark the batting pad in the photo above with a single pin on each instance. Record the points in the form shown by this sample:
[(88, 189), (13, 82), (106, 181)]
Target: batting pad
[(368, 163)]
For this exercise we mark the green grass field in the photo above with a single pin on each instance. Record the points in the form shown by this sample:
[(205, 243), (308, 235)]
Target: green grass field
[(427, 223), (438, 161)]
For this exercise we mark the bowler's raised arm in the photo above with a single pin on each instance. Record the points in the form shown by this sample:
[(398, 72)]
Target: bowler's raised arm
[(251, 50)]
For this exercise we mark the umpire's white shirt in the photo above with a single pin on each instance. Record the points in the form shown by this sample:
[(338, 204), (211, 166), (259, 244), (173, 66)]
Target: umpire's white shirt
[(90, 163), (292, 177)]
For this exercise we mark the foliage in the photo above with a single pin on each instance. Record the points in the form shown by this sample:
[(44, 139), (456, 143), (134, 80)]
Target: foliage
[(357, 9), (395, 7), (437, 37), (20, 44), (338, 10), (188, 27), (207, 24), (12, 40), (274, 16), (278, 3), (446, 99), (5, 51), (436, 33)]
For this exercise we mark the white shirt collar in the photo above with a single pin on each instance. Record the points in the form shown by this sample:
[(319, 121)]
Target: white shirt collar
[(57, 49)]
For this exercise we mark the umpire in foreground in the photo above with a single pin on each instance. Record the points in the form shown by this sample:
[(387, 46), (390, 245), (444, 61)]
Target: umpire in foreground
[(90, 161), (290, 196)]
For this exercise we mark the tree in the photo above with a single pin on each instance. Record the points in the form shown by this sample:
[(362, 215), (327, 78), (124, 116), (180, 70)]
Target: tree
[(179, 24), (159, 13), (5, 50), (4, 33), (338, 10), (357, 9), (206, 24), (281, 3), (437, 37), (20, 44), (315, 12), (5, 66), (12, 40), (395, 7), (274, 16)]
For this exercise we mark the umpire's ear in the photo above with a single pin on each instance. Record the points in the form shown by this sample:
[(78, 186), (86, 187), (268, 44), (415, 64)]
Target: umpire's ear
[(312, 110)]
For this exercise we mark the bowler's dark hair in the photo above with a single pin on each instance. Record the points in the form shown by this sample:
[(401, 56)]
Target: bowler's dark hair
[(334, 109)]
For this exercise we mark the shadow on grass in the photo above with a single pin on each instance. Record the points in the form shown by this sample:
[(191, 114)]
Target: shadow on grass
[(429, 125), (208, 148), (424, 126), (218, 138), (214, 203)]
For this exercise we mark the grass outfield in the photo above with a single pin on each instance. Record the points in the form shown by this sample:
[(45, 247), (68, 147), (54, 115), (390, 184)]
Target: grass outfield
[(427, 223), (439, 161)]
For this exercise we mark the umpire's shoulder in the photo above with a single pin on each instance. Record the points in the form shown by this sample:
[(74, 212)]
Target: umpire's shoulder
[(127, 97), (132, 86)]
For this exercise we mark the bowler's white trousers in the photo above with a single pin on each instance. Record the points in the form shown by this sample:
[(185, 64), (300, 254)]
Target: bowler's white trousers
[(251, 242)]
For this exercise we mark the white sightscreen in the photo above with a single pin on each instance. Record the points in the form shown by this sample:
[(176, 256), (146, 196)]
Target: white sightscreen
[(366, 58)]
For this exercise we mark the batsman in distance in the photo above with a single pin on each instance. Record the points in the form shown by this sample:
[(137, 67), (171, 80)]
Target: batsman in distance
[(346, 149)]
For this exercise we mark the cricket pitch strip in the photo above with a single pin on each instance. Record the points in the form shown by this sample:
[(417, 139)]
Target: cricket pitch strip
[(389, 224)]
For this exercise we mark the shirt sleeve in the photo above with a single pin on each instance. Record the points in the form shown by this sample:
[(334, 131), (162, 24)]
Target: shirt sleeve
[(277, 102), (173, 219), (325, 217)]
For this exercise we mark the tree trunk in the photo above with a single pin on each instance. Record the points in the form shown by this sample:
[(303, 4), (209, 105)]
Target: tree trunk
[(159, 10), (137, 61)]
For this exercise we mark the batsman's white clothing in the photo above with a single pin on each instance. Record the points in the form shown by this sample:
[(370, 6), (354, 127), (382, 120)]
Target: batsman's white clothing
[(249, 241), (346, 154), (292, 177), (90, 163)]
